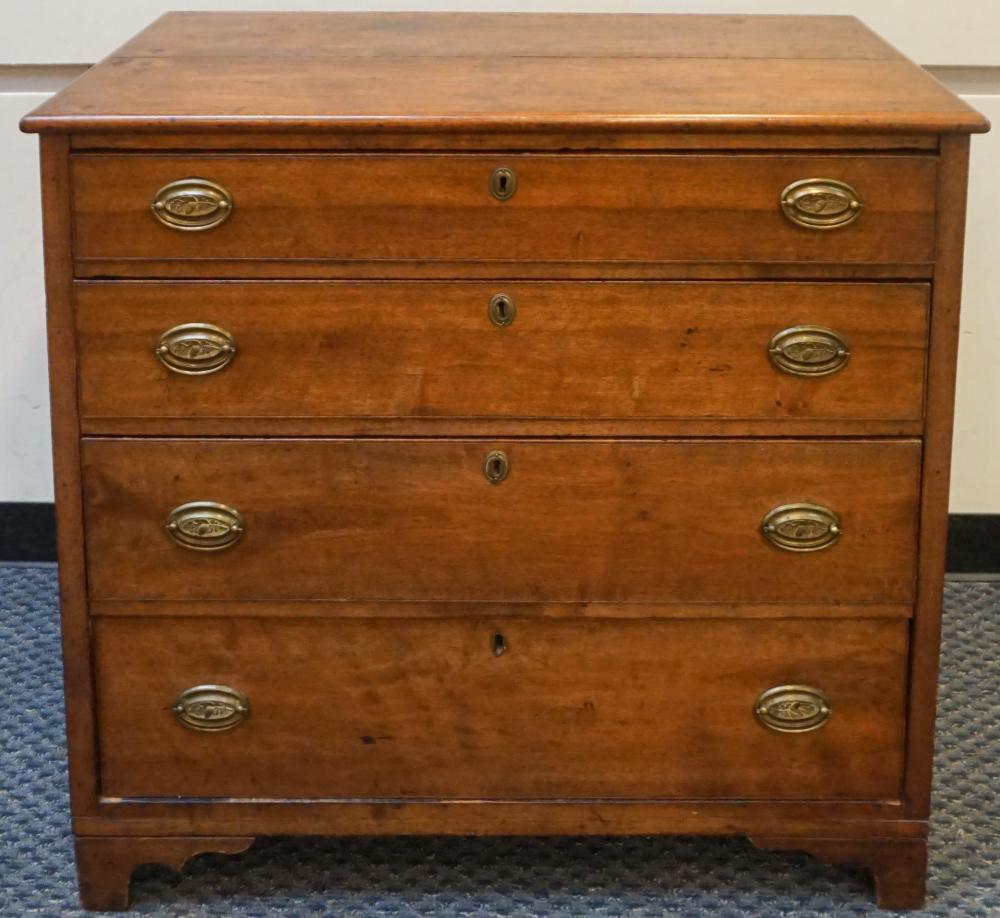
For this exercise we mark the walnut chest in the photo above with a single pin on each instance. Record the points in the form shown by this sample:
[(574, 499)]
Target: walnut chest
[(475, 424)]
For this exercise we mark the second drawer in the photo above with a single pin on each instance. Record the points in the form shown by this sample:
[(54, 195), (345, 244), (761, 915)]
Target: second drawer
[(502, 521), (575, 351)]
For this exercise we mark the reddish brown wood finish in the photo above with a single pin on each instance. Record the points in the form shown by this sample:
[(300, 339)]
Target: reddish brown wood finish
[(105, 864), (514, 140), (569, 709), (568, 208), (288, 72), (77, 676), (574, 352), (936, 474), (651, 149), (611, 521), (815, 818), (448, 35)]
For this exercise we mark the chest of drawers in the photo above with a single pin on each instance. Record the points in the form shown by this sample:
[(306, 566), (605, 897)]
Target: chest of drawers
[(481, 424)]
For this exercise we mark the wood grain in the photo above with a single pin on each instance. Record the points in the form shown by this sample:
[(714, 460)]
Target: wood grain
[(629, 710), (449, 35), (843, 818), (104, 865), (572, 208), (498, 140), (417, 269), (936, 476), (613, 521), (574, 352), (521, 73), (62, 358), (642, 608)]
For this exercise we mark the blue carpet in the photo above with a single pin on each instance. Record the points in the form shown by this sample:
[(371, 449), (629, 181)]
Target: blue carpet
[(403, 877)]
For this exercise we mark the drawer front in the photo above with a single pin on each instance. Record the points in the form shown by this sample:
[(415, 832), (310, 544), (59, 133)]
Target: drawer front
[(545, 350), (428, 708), (557, 521), (566, 208)]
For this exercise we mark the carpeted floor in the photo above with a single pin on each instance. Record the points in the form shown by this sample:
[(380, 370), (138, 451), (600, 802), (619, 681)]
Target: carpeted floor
[(509, 877)]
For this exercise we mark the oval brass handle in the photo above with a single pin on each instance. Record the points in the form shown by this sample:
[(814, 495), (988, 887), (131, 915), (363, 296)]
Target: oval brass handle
[(192, 204), (203, 525), (496, 466), (801, 527), (196, 349), (820, 203), (503, 183), (502, 310), (211, 708), (808, 350), (793, 708)]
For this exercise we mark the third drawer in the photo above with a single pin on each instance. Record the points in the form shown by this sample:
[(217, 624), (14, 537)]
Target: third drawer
[(516, 521)]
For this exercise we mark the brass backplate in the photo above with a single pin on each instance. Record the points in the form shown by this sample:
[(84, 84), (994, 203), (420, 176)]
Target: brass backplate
[(211, 708), (821, 203), (196, 349), (793, 708), (808, 350), (192, 204), (204, 525), (801, 527)]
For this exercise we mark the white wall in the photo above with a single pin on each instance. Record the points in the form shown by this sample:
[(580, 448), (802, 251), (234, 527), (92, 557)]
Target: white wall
[(961, 34), (25, 467), (975, 479)]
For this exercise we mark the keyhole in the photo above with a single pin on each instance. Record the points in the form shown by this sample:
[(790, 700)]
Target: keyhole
[(499, 644), (496, 466), (503, 183), (502, 310)]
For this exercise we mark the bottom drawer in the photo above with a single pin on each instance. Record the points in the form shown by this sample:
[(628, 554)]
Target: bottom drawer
[(501, 708)]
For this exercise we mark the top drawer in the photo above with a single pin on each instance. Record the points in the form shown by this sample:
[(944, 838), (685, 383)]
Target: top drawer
[(563, 209)]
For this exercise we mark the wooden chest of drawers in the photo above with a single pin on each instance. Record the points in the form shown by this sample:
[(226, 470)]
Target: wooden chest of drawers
[(502, 424)]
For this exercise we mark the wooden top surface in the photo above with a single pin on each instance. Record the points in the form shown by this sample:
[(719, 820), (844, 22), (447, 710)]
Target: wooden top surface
[(483, 72)]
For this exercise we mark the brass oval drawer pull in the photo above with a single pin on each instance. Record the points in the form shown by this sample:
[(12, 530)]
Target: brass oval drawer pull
[(502, 310), (211, 708), (496, 466), (203, 525), (196, 349), (820, 203), (503, 183), (793, 708), (808, 350), (801, 527), (192, 204)]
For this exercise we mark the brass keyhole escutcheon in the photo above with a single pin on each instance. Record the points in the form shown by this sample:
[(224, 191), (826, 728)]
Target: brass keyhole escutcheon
[(503, 183), (502, 310), (498, 644), (496, 466)]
